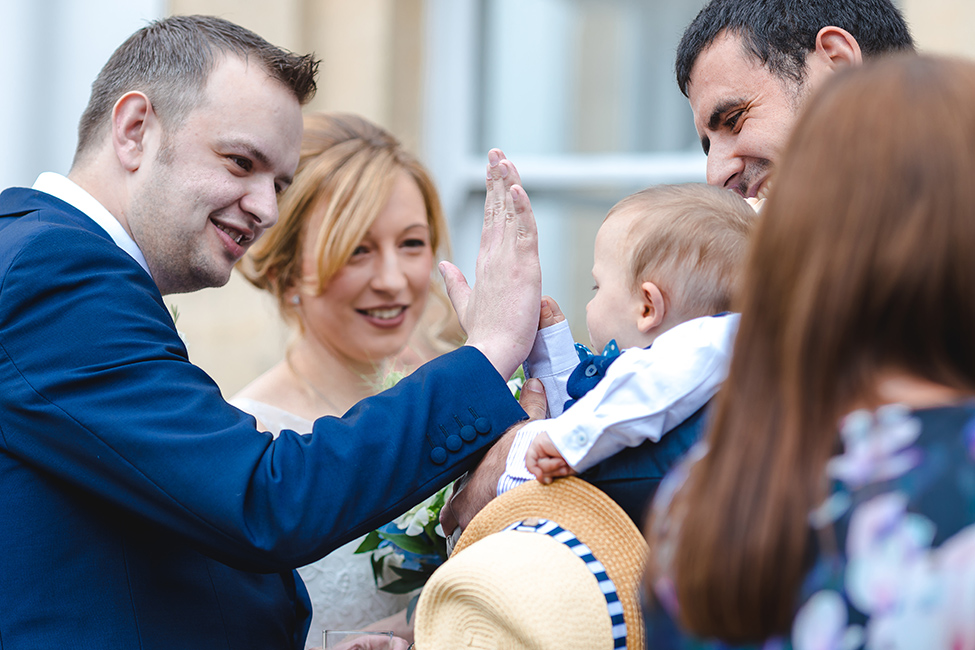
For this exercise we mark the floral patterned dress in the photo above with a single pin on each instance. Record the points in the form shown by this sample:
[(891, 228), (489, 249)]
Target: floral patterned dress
[(902, 512)]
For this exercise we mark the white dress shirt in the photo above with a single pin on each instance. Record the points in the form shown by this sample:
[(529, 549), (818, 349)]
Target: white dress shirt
[(645, 394), (61, 187)]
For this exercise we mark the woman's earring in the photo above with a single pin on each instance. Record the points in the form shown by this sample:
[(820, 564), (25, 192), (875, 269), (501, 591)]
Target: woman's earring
[(295, 299)]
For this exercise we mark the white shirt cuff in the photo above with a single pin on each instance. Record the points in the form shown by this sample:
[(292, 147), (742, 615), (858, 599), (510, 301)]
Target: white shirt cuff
[(515, 470), (551, 360)]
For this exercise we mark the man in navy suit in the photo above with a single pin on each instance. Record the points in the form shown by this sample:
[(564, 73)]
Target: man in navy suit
[(139, 509)]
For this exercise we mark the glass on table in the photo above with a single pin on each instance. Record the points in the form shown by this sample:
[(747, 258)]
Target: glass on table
[(360, 640)]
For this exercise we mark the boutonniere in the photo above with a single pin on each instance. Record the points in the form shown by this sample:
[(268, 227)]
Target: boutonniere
[(174, 311)]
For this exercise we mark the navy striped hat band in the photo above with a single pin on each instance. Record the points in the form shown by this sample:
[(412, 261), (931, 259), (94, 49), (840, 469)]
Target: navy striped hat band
[(584, 553)]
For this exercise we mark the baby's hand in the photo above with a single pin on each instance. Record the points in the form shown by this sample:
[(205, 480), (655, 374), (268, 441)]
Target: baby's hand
[(544, 460), (549, 314)]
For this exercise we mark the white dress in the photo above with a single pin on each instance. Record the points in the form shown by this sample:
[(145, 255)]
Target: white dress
[(342, 590)]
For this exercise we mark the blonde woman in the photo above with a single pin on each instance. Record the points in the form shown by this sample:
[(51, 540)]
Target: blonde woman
[(350, 263)]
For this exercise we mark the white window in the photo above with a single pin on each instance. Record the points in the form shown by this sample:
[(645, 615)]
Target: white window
[(580, 94), (50, 53)]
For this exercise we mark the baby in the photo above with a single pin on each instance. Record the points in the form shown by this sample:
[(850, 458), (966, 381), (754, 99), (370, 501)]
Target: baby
[(666, 263)]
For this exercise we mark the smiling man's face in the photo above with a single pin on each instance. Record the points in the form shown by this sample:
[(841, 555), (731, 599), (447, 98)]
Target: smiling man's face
[(211, 188), (743, 114)]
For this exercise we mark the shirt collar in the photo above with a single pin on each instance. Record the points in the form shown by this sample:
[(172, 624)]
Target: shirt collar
[(68, 191)]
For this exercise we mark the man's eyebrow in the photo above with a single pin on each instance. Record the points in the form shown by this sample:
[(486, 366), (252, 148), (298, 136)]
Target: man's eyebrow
[(257, 154), (716, 115)]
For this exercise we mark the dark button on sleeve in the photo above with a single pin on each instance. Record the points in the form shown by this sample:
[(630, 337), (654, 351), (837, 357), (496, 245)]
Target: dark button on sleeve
[(483, 425), (438, 455), (454, 443), (468, 433)]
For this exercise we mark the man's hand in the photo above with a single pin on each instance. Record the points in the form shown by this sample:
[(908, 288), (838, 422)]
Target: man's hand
[(544, 460), (482, 483), (500, 314)]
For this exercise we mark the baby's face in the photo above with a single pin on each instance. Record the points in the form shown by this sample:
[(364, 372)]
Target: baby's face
[(614, 310)]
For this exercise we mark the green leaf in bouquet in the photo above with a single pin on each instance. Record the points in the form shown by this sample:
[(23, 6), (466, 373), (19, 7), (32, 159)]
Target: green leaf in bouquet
[(438, 544), (411, 607), (369, 543), (418, 544), (377, 567), (402, 586), (516, 382), (411, 574), (439, 499)]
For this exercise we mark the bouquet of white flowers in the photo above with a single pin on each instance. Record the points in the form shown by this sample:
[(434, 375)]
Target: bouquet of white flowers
[(412, 546)]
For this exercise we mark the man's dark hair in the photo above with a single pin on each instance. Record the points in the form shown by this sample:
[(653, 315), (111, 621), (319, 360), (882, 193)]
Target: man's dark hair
[(780, 33), (170, 59)]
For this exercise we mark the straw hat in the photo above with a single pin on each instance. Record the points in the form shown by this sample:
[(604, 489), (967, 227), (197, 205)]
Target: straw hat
[(544, 567)]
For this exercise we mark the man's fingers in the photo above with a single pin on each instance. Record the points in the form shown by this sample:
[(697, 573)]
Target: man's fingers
[(500, 313), (495, 201), (533, 399), (458, 291), (524, 218), (509, 173), (448, 520)]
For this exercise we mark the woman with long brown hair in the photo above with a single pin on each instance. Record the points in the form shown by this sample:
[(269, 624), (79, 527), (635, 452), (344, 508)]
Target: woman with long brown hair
[(837, 487)]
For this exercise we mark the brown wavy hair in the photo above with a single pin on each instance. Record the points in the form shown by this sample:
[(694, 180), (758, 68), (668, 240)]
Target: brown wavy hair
[(862, 264), (347, 170)]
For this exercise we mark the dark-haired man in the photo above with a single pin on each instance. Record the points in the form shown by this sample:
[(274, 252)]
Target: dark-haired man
[(747, 66), (140, 510)]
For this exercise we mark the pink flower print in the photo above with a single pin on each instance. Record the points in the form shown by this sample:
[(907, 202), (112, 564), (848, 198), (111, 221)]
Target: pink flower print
[(885, 544), (877, 447), (821, 624), (954, 562), (934, 608), (915, 596)]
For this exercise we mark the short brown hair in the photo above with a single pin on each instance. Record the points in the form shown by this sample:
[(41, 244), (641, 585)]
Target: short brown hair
[(691, 240), (781, 33), (170, 60)]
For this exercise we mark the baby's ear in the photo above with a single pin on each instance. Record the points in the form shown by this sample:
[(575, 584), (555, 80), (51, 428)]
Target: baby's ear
[(652, 308)]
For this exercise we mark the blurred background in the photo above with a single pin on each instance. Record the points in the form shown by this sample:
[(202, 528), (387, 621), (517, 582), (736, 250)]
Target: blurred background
[(580, 94)]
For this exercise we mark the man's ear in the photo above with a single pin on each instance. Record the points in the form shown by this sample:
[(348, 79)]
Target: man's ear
[(131, 117), (837, 48), (652, 308)]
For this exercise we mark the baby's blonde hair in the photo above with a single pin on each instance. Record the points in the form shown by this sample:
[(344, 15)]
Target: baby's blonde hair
[(691, 241)]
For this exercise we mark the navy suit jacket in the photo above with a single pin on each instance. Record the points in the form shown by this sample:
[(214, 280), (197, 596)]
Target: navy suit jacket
[(632, 476), (137, 508)]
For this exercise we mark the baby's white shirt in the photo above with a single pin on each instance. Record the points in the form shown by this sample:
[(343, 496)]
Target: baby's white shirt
[(645, 393)]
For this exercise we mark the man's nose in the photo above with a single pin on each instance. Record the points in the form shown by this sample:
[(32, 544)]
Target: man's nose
[(261, 201), (724, 167)]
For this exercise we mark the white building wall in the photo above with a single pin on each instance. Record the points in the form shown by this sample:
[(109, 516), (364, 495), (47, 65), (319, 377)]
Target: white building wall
[(50, 52)]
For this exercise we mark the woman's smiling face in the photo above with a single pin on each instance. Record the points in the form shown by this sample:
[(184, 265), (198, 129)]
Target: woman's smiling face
[(368, 310)]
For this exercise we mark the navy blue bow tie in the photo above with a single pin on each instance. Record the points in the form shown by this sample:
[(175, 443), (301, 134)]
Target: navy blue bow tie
[(591, 368)]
